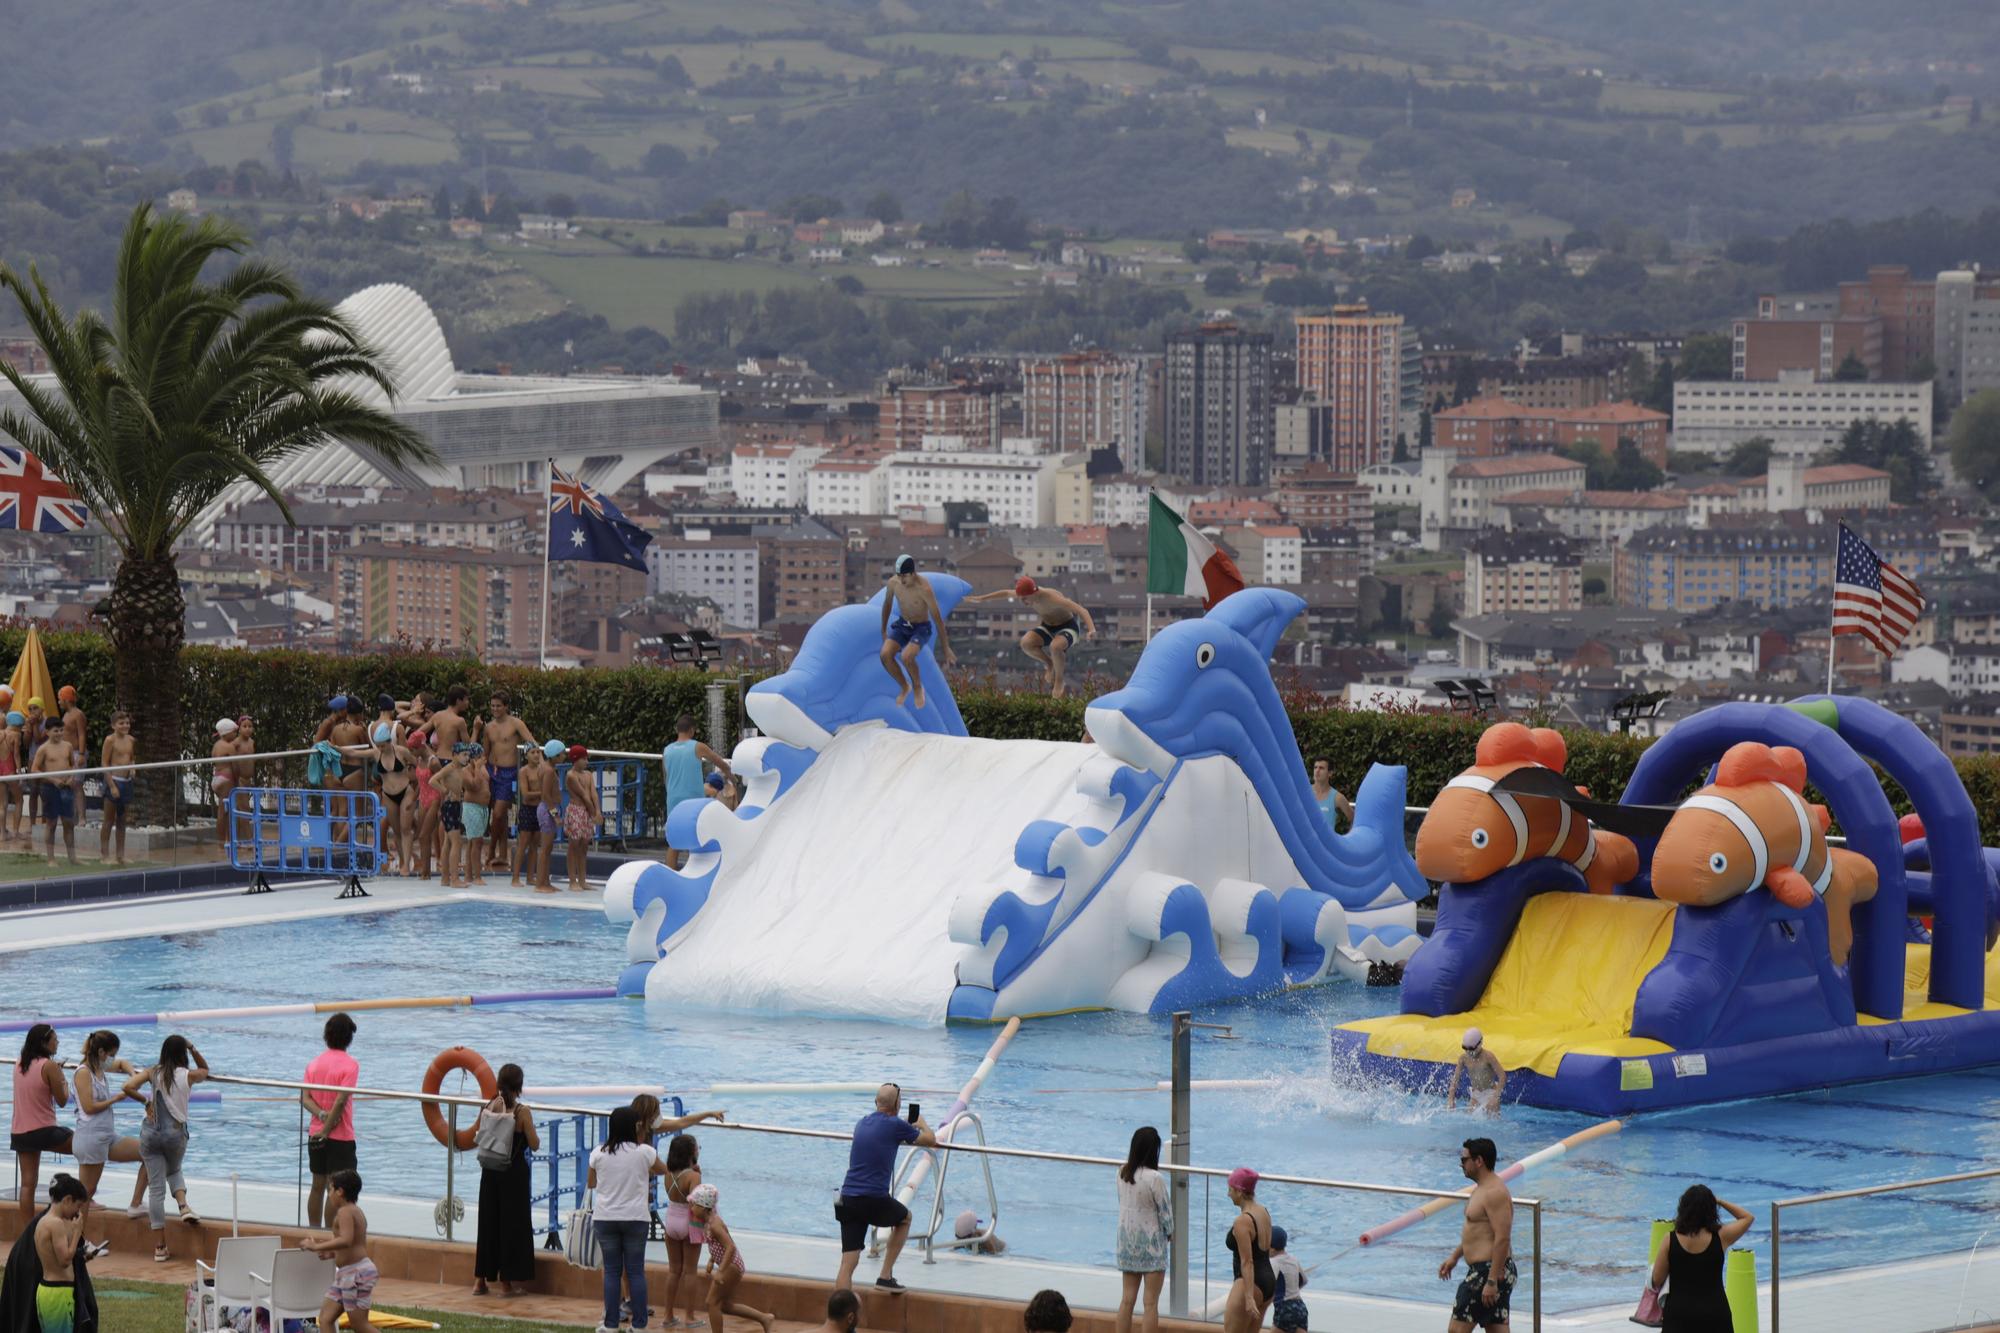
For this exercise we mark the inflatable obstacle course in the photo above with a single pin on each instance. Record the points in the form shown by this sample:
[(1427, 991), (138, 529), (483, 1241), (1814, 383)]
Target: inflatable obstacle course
[(884, 863), (1743, 955)]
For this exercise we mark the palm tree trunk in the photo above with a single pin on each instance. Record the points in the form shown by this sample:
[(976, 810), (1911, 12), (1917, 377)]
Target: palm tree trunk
[(145, 613)]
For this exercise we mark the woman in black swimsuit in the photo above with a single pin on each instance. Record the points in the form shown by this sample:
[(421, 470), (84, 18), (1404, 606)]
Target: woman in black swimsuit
[(1250, 1294), (1690, 1262), (395, 769)]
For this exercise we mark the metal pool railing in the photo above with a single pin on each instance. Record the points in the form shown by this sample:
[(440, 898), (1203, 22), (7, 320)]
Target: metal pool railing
[(566, 1167), (1957, 1287)]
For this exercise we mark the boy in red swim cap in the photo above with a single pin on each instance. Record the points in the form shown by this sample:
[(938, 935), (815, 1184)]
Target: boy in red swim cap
[(1062, 623)]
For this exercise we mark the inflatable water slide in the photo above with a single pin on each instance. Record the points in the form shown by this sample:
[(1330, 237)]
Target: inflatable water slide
[(1730, 951), (884, 863)]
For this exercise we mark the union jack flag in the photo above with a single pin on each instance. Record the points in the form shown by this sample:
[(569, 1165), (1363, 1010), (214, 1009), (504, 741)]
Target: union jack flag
[(34, 499), (567, 495)]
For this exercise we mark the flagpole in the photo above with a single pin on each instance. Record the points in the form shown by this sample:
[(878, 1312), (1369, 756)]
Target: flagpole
[(1149, 617), (548, 525), (1833, 609)]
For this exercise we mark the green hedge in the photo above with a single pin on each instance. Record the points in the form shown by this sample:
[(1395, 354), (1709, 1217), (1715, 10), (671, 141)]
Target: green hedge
[(633, 708)]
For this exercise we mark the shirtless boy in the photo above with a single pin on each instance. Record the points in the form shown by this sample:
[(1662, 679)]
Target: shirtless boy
[(1063, 622), (55, 760), (354, 1274), (536, 787), (13, 760), (1486, 1244), (1485, 1077), (504, 735), (449, 724), (119, 749), (475, 809), (917, 618), (76, 730)]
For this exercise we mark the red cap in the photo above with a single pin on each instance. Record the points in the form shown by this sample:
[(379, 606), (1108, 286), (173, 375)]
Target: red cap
[(1024, 586), (577, 752)]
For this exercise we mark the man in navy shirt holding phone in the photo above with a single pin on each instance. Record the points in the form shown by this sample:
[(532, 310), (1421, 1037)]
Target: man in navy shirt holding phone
[(865, 1200)]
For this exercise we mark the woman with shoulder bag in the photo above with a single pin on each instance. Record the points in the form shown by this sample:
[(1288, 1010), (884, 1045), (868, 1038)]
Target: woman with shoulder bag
[(506, 1135), (620, 1174)]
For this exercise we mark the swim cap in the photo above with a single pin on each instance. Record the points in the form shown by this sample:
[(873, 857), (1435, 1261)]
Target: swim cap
[(225, 727), (337, 704), (715, 781), (1473, 1039), (576, 752), (66, 694), (35, 701), (966, 1225), (16, 720), (420, 738), (554, 749), (384, 702), (1024, 586), (384, 732), (704, 1196), (477, 749), (461, 747), (1279, 1240), (6, 691), (1243, 1180), (244, 720), (906, 564)]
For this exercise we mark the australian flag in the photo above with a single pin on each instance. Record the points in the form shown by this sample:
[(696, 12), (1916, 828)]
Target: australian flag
[(583, 525)]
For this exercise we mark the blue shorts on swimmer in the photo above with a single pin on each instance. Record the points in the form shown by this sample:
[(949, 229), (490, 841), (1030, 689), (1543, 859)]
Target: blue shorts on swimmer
[(903, 632)]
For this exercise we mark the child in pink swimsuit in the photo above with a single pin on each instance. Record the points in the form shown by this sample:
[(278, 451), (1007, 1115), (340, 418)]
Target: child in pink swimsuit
[(727, 1271)]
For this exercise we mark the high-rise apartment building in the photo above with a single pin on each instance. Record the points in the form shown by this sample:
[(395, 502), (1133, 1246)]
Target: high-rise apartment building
[(1353, 359), (912, 411), (1218, 405), (1966, 334), (1803, 333), (1087, 400), (1906, 309)]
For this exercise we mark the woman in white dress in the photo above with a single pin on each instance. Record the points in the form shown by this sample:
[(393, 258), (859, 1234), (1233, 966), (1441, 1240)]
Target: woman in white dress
[(1145, 1224)]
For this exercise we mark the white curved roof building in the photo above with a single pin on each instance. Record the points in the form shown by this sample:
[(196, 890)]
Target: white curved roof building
[(492, 430)]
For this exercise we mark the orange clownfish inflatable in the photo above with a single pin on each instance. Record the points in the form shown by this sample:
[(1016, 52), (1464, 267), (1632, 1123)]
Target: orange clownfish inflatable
[(1473, 831), (1752, 826)]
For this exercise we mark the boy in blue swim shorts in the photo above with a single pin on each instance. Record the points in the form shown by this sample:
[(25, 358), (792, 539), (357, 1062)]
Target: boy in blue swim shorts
[(917, 619)]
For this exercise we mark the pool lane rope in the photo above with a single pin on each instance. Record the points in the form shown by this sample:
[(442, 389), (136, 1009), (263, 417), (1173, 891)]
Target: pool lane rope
[(168, 1016), (1432, 1207)]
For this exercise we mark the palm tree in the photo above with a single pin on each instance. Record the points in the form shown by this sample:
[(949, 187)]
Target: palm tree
[(192, 386)]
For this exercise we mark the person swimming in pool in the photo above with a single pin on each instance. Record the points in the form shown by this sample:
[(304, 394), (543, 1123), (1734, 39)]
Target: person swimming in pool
[(1485, 1077), (1062, 623), (917, 619)]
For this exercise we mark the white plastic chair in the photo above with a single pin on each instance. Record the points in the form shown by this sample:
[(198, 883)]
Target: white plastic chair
[(232, 1280), (296, 1287)]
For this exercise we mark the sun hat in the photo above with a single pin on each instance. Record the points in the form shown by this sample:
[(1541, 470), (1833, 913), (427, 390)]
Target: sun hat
[(554, 749), (1473, 1039), (1243, 1180), (225, 726), (704, 1196)]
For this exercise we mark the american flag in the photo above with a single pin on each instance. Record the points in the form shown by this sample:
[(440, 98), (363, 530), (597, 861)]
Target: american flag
[(1871, 596), (32, 499)]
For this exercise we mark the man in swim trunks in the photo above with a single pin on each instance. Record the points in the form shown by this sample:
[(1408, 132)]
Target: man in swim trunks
[(76, 730), (354, 1274), (119, 749), (474, 812), (1486, 1244), (503, 736), (58, 1240), (1330, 802), (917, 618), (1485, 1077), (1063, 622), (580, 816), (448, 724), (33, 733), (55, 760), (535, 787)]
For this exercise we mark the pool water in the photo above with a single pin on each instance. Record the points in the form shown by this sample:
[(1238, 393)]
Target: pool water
[(1063, 1085)]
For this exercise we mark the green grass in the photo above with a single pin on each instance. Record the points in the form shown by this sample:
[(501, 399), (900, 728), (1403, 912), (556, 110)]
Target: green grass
[(709, 63), (1220, 60), (151, 1307), (1640, 100), (991, 46), (630, 292)]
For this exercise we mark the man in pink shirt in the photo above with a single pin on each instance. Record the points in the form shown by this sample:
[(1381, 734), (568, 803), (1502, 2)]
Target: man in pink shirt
[(330, 1115)]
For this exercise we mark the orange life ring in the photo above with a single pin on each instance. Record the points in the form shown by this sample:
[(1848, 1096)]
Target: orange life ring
[(456, 1057)]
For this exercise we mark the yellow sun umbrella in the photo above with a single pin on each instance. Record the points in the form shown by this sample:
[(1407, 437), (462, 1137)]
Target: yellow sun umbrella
[(31, 676), (383, 1319)]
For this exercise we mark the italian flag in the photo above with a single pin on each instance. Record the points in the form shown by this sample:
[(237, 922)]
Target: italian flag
[(1180, 560)]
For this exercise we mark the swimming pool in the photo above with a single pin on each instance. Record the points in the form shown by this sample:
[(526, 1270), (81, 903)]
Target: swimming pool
[(1052, 1090)]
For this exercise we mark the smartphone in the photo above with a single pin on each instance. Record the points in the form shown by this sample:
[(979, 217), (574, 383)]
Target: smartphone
[(914, 1109)]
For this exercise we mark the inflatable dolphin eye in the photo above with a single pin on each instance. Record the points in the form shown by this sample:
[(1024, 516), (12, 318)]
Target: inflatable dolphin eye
[(1717, 862), (1204, 655), (1479, 838)]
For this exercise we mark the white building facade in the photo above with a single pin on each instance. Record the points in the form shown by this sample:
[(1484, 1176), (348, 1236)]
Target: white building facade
[(772, 476), (1799, 414), (696, 564)]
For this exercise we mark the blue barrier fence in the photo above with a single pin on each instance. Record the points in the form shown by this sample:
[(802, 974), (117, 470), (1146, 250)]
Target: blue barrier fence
[(620, 799), (305, 831), (569, 1166)]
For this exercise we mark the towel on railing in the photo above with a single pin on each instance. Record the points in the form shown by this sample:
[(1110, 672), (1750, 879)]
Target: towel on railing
[(325, 758)]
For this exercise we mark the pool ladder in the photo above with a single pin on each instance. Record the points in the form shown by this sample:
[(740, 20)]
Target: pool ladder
[(942, 1155)]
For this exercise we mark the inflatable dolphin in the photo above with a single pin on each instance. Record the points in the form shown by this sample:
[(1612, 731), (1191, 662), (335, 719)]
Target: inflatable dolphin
[(837, 678)]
